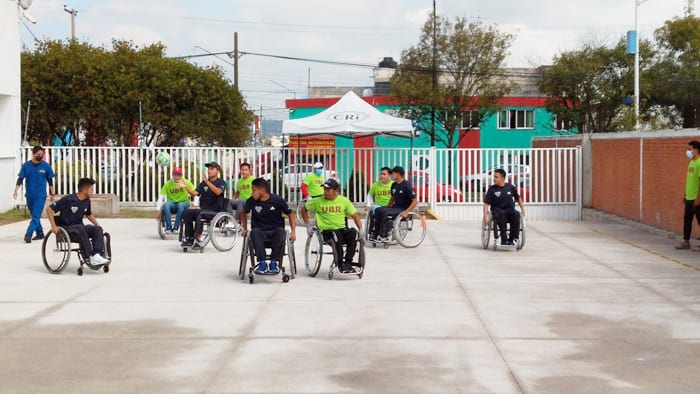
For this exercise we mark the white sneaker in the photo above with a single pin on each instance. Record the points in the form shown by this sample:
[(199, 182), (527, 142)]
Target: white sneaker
[(231, 226), (98, 260)]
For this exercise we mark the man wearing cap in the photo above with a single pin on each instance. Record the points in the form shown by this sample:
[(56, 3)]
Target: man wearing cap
[(402, 201), (211, 201), (176, 192), (331, 211), (312, 184)]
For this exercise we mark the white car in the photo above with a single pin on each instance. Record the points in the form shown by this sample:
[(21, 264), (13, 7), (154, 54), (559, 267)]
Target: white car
[(293, 175), (482, 180)]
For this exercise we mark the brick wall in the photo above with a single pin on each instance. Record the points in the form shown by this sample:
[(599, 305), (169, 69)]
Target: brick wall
[(615, 177)]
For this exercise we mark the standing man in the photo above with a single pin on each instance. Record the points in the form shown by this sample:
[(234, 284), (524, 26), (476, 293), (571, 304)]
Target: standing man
[(312, 184), (331, 212), (177, 192), (38, 174), (403, 200), (267, 225), (501, 197), (244, 191), (211, 201), (692, 198)]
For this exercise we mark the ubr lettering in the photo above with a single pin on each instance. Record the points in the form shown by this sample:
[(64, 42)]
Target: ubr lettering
[(332, 209)]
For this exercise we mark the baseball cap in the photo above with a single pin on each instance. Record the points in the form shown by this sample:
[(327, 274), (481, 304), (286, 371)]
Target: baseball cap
[(318, 164), (331, 184), (177, 171), (213, 164)]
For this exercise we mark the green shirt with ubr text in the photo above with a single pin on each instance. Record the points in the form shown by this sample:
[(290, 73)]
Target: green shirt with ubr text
[(244, 187), (692, 182), (314, 184), (175, 193), (381, 193), (331, 214)]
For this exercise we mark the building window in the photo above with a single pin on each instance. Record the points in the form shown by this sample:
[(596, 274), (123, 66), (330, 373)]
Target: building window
[(520, 119), (561, 124), (470, 120)]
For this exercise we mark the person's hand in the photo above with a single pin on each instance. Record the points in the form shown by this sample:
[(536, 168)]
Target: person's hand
[(14, 194), (54, 229), (486, 221), (292, 236), (52, 198), (522, 213), (244, 231), (362, 234), (309, 230), (404, 214)]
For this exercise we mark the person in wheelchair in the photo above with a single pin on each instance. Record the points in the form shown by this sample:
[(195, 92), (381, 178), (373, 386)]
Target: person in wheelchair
[(176, 192), (243, 191), (267, 225), (211, 201), (500, 198), (379, 194), (332, 211), (403, 200), (69, 211)]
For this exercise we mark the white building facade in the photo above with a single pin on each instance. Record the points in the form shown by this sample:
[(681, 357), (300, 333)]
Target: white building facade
[(10, 104)]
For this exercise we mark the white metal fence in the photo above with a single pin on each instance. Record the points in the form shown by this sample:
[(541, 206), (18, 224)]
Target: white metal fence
[(451, 181)]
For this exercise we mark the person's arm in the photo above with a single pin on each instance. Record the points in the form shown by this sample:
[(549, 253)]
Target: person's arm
[(92, 219), (304, 190), (522, 207), (20, 180), (214, 189), (358, 221), (304, 215), (50, 214), (244, 221), (413, 204), (486, 213), (189, 187), (292, 226), (391, 202), (49, 180)]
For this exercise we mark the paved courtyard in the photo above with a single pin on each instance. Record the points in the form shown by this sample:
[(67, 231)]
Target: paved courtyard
[(585, 307)]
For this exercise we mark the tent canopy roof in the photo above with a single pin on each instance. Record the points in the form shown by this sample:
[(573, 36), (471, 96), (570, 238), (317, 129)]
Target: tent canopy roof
[(351, 116)]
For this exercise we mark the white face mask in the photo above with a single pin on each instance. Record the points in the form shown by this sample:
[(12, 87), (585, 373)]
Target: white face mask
[(689, 153)]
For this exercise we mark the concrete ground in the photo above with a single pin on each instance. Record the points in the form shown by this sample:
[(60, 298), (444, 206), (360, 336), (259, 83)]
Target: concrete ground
[(585, 307)]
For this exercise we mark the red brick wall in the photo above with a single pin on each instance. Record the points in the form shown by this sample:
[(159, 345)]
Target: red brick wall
[(615, 177)]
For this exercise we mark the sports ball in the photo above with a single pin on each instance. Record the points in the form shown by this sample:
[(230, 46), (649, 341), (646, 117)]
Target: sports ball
[(163, 159)]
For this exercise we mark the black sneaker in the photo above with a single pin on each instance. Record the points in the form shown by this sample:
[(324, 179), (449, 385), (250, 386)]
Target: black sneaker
[(38, 237), (27, 240), (187, 242)]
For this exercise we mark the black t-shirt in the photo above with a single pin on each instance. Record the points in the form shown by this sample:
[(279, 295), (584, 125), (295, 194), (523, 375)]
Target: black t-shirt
[(267, 215), (502, 197), (70, 210), (208, 200), (403, 194)]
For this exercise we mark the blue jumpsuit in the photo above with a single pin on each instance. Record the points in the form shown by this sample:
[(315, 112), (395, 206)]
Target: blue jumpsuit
[(37, 176)]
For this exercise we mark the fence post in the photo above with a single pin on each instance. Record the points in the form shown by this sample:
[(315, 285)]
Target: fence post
[(579, 182), (432, 172)]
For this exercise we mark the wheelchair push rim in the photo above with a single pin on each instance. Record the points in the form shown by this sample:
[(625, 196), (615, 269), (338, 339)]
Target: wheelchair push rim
[(410, 232), (313, 253), (485, 235), (223, 238), (161, 226), (244, 257), (56, 250)]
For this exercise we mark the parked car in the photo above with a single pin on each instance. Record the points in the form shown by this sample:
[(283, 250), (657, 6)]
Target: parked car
[(445, 192), (293, 175), (481, 181)]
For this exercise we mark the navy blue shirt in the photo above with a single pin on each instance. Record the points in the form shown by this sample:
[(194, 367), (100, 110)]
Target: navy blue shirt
[(267, 215), (209, 201), (403, 194), (502, 197), (37, 176), (70, 210)]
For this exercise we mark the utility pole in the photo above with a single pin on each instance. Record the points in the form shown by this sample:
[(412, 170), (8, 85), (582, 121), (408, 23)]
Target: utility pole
[(690, 8), (637, 3), (73, 13), (432, 112), (235, 59)]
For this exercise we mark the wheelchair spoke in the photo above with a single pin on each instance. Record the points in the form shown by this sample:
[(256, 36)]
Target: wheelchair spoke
[(410, 232)]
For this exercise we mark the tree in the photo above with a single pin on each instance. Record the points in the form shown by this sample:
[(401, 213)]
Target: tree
[(587, 87), (99, 91), (676, 75), (469, 60)]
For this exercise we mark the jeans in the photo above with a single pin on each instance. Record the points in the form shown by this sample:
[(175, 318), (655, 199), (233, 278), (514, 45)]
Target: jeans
[(504, 216), (36, 207), (178, 208), (690, 211), (275, 238), (238, 206)]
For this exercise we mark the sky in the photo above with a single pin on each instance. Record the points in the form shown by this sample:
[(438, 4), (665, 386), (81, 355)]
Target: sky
[(360, 31)]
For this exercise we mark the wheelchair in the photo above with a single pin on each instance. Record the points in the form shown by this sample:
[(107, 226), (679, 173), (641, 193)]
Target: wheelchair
[(57, 248), (409, 232), (316, 247), (222, 230), (248, 252), (161, 222), (491, 229)]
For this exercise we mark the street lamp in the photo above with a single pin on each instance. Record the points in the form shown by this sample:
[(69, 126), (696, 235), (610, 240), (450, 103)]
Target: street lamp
[(284, 87), (636, 62), (23, 7)]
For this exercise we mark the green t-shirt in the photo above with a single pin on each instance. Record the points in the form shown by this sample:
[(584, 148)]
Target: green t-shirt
[(244, 187), (175, 193), (313, 182), (331, 214), (693, 181), (381, 193)]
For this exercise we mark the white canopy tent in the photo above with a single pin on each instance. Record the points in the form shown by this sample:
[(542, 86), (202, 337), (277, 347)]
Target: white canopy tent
[(351, 116)]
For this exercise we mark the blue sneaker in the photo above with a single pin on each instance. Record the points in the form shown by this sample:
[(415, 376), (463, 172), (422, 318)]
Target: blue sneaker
[(262, 268), (273, 267)]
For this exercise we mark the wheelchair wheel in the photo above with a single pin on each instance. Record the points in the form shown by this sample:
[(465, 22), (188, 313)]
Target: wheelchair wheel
[(161, 226), (108, 246), (521, 239), (56, 250), (367, 224), (486, 235), (300, 220), (244, 257), (410, 232), (313, 253), (361, 258), (291, 257), (223, 231)]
